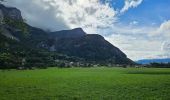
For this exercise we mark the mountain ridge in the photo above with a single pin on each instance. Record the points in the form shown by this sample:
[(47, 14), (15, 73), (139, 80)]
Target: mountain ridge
[(72, 44)]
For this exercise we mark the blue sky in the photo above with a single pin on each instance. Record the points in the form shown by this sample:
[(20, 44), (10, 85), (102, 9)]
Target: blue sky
[(148, 12), (140, 28)]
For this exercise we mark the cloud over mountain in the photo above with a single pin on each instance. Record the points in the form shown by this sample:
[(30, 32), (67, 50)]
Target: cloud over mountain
[(66, 14), (91, 15)]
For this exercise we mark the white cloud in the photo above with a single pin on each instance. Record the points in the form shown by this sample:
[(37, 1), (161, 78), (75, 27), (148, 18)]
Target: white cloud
[(130, 4), (163, 30), (166, 49), (38, 13), (91, 15), (66, 14), (136, 46), (166, 46), (140, 42), (134, 23)]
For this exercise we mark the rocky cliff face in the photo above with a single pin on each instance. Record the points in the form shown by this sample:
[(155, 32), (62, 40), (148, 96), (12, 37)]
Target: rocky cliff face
[(10, 21), (9, 12)]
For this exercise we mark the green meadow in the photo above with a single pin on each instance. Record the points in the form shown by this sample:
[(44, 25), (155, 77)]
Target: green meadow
[(85, 84)]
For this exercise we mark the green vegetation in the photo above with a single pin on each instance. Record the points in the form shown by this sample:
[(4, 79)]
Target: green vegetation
[(17, 24), (85, 84)]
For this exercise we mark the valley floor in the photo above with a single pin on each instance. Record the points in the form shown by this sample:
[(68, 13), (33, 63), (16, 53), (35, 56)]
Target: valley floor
[(85, 84)]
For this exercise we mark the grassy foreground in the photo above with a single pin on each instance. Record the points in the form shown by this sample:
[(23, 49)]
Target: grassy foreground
[(85, 84)]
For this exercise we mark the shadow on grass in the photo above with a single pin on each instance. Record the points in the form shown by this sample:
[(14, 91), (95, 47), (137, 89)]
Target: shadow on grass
[(149, 73)]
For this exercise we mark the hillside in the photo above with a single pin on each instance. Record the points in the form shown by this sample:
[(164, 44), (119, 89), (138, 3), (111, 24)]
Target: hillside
[(35, 47)]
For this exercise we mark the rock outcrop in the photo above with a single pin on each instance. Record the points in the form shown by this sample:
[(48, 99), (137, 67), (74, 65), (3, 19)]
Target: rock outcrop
[(10, 12)]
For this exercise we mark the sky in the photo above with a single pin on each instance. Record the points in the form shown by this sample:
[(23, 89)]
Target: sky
[(140, 28)]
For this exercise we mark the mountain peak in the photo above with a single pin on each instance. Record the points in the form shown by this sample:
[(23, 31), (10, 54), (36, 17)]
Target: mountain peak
[(78, 31), (74, 33)]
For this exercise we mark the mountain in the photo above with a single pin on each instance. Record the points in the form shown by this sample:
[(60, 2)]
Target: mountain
[(148, 61), (90, 47), (38, 47)]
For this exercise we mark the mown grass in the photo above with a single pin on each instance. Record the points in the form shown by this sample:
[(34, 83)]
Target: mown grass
[(85, 84)]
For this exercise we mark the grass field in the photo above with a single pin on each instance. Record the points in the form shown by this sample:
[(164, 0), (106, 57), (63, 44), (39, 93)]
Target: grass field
[(85, 84)]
